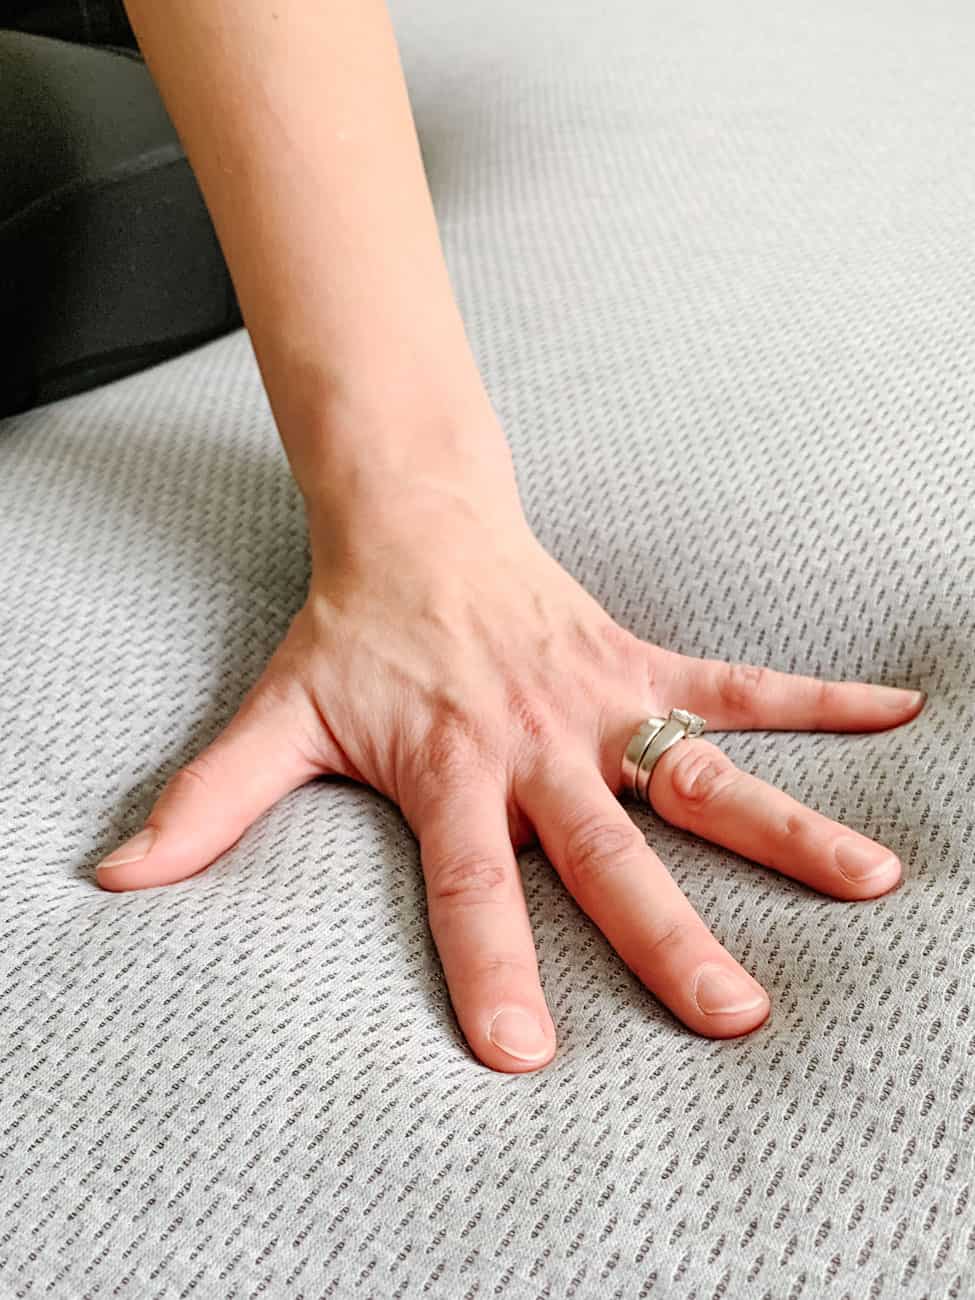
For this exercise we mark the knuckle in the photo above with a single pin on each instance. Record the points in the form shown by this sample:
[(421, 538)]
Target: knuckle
[(796, 826), (621, 642), (448, 755), (700, 773), (500, 970), (193, 776), (532, 716), (825, 695), (447, 760), (740, 685), (466, 877), (453, 754), (270, 691), (639, 664), (800, 834), (794, 836), (596, 846), (672, 936)]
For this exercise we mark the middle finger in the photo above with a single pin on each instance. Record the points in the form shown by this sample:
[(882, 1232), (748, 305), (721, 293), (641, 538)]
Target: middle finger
[(618, 880)]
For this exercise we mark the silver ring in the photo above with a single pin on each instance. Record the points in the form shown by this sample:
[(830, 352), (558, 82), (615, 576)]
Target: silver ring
[(653, 738)]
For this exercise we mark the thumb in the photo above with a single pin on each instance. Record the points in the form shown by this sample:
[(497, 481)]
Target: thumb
[(207, 805)]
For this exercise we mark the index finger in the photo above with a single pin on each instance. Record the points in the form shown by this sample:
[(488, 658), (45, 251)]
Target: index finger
[(480, 925)]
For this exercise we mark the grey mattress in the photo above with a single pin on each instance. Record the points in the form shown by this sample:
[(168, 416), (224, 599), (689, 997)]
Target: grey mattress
[(717, 267)]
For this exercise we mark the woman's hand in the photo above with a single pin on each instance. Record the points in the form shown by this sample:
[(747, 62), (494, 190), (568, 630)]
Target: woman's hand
[(443, 657)]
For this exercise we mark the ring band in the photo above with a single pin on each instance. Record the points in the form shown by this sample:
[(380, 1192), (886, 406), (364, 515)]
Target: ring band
[(652, 739)]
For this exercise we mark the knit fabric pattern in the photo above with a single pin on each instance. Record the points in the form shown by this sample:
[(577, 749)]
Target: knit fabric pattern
[(716, 267)]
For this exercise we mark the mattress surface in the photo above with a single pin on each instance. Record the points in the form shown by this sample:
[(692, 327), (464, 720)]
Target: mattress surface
[(716, 267)]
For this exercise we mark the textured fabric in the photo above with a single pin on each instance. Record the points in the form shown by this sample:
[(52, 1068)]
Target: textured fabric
[(716, 266)]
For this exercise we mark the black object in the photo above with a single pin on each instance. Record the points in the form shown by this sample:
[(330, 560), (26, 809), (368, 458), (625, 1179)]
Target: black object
[(96, 22), (109, 261)]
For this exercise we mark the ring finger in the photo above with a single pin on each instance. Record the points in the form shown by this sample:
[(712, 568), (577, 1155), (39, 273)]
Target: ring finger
[(696, 786)]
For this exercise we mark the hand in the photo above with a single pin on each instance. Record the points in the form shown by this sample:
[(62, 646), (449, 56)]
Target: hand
[(443, 657)]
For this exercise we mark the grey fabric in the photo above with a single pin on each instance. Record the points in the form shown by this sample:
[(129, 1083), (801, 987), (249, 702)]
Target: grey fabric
[(716, 265)]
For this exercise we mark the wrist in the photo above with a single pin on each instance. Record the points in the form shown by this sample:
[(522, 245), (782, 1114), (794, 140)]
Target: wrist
[(362, 453), (343, 427), (372, 487)]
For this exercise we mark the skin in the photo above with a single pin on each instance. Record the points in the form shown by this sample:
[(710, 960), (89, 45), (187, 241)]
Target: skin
[(441, 655)]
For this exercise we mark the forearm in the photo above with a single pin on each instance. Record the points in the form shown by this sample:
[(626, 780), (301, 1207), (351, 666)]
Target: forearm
[(296, 120)]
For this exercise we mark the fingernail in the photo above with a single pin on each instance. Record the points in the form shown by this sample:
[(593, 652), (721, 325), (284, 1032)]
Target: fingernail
[(861, 860), (518, 1033), (719, 989), (133, 850), (897, 698)]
